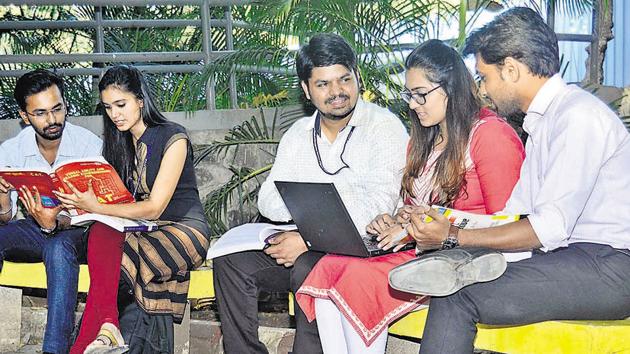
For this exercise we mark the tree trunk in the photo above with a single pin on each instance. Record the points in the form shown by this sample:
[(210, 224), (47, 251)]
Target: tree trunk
[(602, 33)]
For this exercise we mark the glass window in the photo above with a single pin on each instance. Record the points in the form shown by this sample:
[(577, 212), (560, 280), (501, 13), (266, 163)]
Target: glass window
[(573, 58)]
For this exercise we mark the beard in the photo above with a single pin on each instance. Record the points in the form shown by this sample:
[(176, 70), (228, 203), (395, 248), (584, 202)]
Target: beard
[(47, 134), (338, 114), (507, 106), (506, 103)]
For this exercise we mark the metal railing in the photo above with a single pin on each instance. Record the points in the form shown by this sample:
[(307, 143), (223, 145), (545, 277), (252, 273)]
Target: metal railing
[(186, 61), (167, 62)]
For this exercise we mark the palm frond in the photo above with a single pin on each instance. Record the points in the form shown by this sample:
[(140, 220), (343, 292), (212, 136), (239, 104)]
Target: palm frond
[(8, 108), (240, 192), (242, 189), (254, 131), (564, 65), (573, 8)]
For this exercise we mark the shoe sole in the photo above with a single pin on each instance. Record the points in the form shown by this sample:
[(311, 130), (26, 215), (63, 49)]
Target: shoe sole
[(440, 277)]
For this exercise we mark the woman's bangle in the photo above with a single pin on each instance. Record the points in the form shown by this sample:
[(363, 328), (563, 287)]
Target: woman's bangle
[(4, 212)]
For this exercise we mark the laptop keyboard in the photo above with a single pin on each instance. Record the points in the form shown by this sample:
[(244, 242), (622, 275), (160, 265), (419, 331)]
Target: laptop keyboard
[(371, 245)]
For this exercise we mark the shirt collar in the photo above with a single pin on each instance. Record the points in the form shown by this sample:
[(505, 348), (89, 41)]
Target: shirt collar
[(358, 118), (30, 146), (65, 146), (543, 99), (546, 95)]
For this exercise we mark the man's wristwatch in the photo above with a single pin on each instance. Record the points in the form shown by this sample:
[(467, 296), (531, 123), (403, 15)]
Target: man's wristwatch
[(49, 232), (451, 240)]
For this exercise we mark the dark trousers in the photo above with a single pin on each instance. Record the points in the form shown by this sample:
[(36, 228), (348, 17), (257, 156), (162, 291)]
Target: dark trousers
[(584, 281), (22, 240), (238, 279)]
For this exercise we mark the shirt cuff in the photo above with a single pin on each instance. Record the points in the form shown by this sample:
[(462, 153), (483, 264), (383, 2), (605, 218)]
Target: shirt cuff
[(548, 227)]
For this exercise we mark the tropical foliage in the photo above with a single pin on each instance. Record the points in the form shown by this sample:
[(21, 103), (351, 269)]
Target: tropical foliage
[(234, 202), (261, 65), (380, 31), (176, 91)]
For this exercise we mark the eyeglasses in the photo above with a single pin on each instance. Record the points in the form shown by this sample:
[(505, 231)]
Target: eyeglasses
[(42, 113), (420, 98)]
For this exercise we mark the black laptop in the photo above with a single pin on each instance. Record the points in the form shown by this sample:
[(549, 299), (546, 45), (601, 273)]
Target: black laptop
[(323, 220)]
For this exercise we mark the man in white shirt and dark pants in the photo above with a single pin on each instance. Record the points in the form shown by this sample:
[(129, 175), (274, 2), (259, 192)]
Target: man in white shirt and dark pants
[(47, 141), (358, 146), (574, 185)]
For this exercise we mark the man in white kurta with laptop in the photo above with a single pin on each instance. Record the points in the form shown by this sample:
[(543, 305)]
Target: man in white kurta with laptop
[(358, 146)]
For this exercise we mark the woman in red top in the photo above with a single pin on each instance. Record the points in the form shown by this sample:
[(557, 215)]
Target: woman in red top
[(460, 155)]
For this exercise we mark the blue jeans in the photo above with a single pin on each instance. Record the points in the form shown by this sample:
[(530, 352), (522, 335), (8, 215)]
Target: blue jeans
[(22, 240)]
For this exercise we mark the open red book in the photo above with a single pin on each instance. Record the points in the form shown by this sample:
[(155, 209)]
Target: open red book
[(108, 186)]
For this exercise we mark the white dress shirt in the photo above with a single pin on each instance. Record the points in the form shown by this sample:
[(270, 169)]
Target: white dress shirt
[(375, 154), (575, 180), (21, 151)]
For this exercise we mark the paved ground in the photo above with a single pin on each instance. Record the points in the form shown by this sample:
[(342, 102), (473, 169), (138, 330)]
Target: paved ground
[(205, 334), (29, 349)]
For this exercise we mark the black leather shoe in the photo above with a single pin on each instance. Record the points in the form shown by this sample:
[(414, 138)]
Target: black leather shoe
[(442, 273)]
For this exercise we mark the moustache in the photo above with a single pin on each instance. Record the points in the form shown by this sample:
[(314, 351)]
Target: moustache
[(53, 126), (329, 100)]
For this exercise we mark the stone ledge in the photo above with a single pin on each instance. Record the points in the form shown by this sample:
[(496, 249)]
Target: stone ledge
[(205, 336), (11, 318)]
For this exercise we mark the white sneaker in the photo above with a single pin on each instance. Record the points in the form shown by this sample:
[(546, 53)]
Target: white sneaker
[(108, 341)]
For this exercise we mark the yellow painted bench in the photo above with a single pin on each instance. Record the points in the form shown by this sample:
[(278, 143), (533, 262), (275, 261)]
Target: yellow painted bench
[(551, 337), (33, 275), (561, 337)]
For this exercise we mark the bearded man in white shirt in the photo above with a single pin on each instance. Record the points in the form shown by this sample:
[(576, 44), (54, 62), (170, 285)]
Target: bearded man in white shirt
[(358, 146), (574, 185)]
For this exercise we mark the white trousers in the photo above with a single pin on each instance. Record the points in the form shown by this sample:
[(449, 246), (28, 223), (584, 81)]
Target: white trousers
[(337, 334)]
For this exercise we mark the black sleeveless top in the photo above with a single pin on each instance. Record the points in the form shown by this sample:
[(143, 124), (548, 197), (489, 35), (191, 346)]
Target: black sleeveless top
[(185, 206)]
